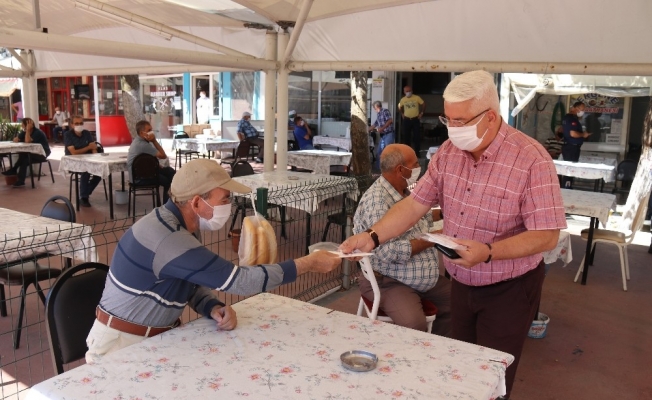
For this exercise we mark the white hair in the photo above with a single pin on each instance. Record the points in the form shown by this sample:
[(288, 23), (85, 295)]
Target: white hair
[(478, 86)]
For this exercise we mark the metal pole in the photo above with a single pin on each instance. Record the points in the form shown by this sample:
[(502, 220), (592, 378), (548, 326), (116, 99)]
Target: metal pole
[(298, 27), (18, 38), (271, 44), (282, 108), (96, 98)]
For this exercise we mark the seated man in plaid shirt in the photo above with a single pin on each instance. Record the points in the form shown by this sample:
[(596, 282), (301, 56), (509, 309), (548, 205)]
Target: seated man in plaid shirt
[(406, 268), (247, 132)]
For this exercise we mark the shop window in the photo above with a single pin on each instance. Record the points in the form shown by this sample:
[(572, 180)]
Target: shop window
[(162, 103), (603, 117), (110, 95)]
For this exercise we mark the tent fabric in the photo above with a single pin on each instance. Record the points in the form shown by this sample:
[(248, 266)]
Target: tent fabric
[(8, 85), (554, 31)]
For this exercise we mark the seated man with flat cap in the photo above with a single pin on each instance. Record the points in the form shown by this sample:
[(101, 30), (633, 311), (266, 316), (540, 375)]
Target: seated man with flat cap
[(160, 266), (247, 132)]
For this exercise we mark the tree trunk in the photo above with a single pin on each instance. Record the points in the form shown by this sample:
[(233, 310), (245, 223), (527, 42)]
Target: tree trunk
[(133, 109), (360, 162)]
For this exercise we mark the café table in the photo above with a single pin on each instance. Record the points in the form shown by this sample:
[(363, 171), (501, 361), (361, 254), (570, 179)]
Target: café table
[(25, 235), (300, 190), (599, 172), (98, 164), (21, 147), (590, 204), (339, 142), (205, 145), (319, 161), (286, 349)]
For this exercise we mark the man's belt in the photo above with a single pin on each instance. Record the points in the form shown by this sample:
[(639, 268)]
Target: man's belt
[(417, 117), (129, 327)]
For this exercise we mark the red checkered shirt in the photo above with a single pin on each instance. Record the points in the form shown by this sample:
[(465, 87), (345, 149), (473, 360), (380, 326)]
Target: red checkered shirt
[(511, 189)]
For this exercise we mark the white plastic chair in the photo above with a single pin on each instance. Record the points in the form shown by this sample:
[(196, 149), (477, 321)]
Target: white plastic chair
[(621, 238), (373, 308)]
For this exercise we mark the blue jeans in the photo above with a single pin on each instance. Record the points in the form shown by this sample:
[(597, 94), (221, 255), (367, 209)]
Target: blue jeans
[(384, 141)]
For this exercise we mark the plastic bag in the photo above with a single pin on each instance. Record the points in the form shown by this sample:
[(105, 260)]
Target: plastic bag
[(328, 246), (257, 242)]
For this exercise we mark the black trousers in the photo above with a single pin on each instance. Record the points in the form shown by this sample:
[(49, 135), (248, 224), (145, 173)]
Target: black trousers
[(412, 133), (165, 175), (498, 316), (260, 142), (570, 152), (23, 164)]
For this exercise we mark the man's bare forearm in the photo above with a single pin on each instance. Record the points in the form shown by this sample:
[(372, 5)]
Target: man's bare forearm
[(402, 216), (525, 244)]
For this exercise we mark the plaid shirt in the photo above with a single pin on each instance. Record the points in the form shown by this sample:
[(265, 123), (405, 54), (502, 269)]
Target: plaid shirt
[(382, 118), (513, 188), (245, 127), (392, 258)]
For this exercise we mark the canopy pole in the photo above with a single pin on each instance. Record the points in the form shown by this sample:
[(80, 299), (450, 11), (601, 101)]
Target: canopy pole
[(490, 66), (135, 20), (23, 39), (298, 27), (23, 64), (271, 44), (282, 107)]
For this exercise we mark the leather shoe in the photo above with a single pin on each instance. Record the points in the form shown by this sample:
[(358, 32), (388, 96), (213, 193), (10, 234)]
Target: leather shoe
[(9, 173), (84, 202), (19, 185)]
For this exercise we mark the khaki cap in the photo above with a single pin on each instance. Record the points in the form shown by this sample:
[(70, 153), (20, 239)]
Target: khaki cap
[(200, 176)]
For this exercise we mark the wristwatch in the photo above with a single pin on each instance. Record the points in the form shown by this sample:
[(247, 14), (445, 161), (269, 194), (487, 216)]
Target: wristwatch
[(374, 237)]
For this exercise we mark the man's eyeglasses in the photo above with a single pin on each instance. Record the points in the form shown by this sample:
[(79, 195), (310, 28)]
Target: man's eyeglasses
[(456, 122), (77, 124)]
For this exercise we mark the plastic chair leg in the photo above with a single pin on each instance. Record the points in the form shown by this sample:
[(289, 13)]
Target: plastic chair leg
[(626, 261), (622, 268)]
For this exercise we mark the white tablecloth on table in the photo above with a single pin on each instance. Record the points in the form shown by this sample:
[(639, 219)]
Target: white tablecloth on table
[(286, 349), (590, 204), (595, 160), (19, 147), (24, 235), (98, 164), (300, 190), (561, 252), (205, 145), (586, 170), (319, 161), (340, 142)]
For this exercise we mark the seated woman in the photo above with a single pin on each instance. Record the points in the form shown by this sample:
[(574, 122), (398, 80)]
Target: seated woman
[(303, 134)]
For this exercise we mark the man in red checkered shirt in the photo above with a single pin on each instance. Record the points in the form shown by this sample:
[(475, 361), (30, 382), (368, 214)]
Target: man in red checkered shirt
[(499, 194)]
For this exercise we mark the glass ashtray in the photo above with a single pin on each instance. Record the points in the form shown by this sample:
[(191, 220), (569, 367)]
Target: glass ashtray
[(359, 360)]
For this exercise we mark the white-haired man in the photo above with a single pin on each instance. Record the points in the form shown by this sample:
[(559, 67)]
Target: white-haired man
[(499, 191)]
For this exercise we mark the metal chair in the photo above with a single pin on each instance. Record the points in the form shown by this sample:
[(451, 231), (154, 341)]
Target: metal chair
[(240, 154), (372, 308), (70, 311), (621, 238), (40, 165), (180, 154), (27, 272), (144, 172)]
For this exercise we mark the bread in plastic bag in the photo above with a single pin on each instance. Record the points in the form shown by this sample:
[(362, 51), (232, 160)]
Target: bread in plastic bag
[(257, 242)]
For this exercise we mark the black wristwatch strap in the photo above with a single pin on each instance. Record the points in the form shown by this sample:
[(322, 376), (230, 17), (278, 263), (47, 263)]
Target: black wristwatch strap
[(488, 258), (374, 237)]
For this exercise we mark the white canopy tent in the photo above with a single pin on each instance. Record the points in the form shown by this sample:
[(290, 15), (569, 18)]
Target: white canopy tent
[(164, 36)]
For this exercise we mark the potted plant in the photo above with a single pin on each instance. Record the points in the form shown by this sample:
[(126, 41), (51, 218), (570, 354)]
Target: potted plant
[(8, 130)]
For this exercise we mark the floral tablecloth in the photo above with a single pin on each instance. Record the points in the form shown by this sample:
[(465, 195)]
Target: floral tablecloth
[(19, 147), (300, 190), (286, 349), (204, 145), (561, 252), (339, 142), (98, 164), (590, 204), (24, 235), (319, 161), (586, 170)]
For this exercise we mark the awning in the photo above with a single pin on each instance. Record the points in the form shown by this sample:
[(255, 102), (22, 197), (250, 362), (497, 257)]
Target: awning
[(8, 85)]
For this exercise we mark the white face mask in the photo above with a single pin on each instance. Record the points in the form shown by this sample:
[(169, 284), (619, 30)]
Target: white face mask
[(221, 214), (202, 95), (580, 114), (413, 176), (466, 137), (79, 128), (408, 94)]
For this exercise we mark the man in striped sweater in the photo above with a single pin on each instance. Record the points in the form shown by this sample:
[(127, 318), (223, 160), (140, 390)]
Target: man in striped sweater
[(160, 266)]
